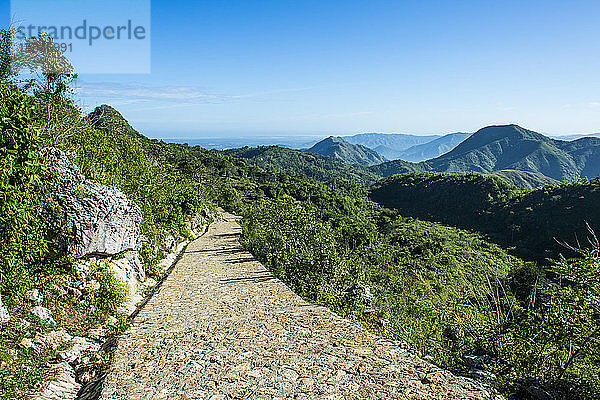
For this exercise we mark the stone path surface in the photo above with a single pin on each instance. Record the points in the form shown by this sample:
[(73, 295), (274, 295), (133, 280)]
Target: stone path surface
[(222, 327)]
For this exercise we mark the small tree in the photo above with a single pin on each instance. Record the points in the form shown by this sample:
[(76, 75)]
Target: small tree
[(7, 71), (46, 73)]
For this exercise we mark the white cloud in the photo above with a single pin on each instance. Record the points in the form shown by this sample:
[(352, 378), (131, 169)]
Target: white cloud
[(133, 92), (593, 104), (162, 97)]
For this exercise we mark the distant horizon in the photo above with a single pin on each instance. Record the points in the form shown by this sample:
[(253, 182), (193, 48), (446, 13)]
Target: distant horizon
[(208, 135)]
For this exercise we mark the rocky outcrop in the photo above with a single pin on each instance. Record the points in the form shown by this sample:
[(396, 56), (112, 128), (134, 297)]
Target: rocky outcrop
[(73, 367), (361, 292), (104, 221), (43, 314), (4, 315)]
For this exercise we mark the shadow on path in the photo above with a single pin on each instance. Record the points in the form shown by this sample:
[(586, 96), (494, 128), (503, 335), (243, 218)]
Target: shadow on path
[(260, 278)]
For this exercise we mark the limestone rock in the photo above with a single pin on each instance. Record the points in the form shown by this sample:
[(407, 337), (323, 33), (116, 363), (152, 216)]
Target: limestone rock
[(361, 290), (4, 315), (534, 390), (27, 343), (52, 340), (137, 265), (104, 220), (80, 345), (24, 323), (477, 362), (170, 243), (63, 386), (43, 313), (35, 296), (131, 273), (196, 224)]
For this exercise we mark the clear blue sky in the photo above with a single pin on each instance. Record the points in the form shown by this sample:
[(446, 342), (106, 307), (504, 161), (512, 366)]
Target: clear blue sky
[(340, 67)]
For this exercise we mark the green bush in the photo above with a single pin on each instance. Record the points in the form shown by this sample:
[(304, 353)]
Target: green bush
[(23, 247), (111, 292)]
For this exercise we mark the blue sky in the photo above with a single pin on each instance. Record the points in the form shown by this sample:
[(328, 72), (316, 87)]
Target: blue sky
[(342, 67)]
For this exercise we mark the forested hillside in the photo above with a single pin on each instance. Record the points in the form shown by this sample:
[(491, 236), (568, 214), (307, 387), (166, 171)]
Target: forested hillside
[(296, 162), (339, 149), (524, 179), (529, 222)]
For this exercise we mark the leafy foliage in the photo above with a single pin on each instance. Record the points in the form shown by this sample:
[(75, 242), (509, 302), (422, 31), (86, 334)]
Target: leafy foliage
[(23, 247), (523, 179)]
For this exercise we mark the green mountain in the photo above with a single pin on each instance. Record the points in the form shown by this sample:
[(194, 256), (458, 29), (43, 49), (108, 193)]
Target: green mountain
[(325, 169), (389, 142), (511, 147), (297, 162), (338, 148), (105, 117), (433, 149)]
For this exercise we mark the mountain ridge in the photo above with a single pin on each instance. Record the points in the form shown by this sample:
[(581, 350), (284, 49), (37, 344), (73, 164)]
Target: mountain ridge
[(338, 148), (511, 147), (433, 149), (394, 141)]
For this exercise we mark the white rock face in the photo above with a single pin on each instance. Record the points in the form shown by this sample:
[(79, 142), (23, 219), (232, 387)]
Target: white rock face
[(35, 296), (52, 340), (105, 221), (4, 315), (43, 313), (80, 344)]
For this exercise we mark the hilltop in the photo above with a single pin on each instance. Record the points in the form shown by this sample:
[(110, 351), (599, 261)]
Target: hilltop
[(338, 148)]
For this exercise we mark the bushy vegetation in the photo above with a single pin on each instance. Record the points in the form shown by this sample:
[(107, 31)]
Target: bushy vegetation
[(523, 179), (448, 293), (23, 247)]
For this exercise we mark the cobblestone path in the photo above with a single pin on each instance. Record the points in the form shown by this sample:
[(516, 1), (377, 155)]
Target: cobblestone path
[(222, 327)]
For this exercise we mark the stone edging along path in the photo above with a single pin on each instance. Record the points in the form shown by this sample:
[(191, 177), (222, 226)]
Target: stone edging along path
[(222, 327)]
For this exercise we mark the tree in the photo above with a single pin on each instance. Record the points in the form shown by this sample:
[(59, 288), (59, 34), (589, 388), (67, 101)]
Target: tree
[(50, 75)]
